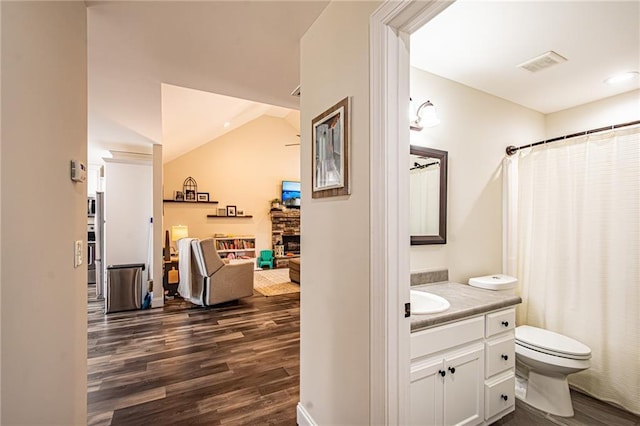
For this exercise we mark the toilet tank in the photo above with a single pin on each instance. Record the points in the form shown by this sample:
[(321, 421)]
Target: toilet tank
[(494, 282)]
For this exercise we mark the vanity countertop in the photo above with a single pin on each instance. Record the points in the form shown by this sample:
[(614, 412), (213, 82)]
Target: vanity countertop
[(465, 301)]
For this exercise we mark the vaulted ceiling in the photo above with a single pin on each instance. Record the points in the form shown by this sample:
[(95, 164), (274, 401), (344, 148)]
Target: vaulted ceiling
[(241, 49)]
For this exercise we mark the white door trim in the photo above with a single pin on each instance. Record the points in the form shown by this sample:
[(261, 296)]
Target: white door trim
[(389, 29)]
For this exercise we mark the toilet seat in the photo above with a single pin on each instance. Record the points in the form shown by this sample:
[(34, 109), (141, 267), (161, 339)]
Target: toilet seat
[(551, 343)]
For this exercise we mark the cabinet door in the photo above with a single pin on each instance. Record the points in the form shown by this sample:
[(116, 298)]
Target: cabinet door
[(464, 387), (426, 392)]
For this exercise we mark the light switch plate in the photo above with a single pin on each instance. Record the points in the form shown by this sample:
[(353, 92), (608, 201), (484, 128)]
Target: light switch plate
[(77, 253)]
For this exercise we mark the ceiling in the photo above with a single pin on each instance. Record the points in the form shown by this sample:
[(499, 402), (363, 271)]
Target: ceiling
[(144, 57), (480, 44), (168, 72), (191, 118)]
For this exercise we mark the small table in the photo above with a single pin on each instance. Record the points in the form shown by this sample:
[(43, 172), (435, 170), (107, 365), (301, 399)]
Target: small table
[(170, 289)]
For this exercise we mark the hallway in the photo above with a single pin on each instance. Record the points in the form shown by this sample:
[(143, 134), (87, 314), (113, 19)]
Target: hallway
[(234, 364)]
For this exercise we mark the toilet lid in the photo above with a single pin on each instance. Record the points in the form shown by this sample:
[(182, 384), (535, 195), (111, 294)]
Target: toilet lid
[(552, 343)]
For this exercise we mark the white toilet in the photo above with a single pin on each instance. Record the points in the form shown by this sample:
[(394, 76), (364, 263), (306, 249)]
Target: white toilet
[(547, 356), (550, 357)]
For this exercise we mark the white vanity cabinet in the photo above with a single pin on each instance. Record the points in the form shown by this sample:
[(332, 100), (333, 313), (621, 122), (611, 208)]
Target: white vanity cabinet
[(447, 374), (500, 355), (462, 373)]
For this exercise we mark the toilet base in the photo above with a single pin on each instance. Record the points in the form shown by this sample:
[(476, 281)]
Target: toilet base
[(549, 394)]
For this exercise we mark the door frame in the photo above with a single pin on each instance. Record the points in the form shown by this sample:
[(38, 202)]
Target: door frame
[(389, 361)]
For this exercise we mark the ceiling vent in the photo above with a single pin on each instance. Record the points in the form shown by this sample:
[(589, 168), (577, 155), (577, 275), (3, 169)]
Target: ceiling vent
[(543, 61)]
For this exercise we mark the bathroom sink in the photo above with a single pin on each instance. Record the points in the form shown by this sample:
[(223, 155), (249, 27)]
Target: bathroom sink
[(423, 303)]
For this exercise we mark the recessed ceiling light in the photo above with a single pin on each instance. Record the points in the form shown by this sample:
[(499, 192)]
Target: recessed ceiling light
[(622, 77), (226, 124)]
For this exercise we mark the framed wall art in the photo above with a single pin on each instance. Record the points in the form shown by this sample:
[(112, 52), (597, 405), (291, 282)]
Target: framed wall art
[(330, 151)]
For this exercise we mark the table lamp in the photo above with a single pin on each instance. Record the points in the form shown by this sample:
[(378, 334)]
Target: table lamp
[(179, 232)]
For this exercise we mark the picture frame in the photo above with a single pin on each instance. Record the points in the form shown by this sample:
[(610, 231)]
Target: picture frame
[(222, 211), (203, 197), (330, 151), (190, 195), (178, 196), (231, 211)]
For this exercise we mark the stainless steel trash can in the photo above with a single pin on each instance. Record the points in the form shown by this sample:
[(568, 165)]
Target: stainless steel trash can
[(124, 287)]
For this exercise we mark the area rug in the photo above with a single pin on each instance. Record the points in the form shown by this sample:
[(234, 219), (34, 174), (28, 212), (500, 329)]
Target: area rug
[(273, 282)]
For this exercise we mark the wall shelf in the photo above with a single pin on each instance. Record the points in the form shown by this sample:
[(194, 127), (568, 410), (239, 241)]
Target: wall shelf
[(190, 202), (212, 216)]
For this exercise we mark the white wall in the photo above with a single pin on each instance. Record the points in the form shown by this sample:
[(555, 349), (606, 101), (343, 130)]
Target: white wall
[(475, 129), (44, 298), (0, 215), (157, 259), (245, 168), (614, 110), (334, 347)]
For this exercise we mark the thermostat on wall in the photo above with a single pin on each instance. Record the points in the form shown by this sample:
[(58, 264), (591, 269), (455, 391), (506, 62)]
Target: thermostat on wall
[(78, 171)]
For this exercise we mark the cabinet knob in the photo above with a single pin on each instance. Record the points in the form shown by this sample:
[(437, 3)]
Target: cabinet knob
[(442, 373), (505, 323), (452, 369), (504, 356), (505, 397)]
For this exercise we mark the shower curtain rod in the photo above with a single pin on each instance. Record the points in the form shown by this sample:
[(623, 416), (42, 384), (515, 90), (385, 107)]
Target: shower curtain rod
[(513, 149)]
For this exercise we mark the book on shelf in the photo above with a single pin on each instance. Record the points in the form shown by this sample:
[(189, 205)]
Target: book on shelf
[(235, 244)]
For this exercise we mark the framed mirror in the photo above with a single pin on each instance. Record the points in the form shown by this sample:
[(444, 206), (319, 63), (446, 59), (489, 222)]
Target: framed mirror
[(427, 196)]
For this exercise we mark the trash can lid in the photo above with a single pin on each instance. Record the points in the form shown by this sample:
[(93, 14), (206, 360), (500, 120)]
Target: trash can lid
[(127, 266)]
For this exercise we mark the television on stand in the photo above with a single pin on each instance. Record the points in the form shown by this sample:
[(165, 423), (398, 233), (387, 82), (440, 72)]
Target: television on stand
[(291, 194)]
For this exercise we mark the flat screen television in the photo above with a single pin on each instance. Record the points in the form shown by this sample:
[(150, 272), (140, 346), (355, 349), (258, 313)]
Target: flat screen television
[(291, 193)]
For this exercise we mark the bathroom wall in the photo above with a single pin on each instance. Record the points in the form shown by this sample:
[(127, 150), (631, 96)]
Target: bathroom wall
[(475, 128), (613, 110)]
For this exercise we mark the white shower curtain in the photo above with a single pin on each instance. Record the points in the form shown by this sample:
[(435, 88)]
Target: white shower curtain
[(572, 237), (424, 198)]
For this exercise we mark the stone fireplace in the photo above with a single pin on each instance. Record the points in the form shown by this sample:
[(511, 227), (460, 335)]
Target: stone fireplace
[(291, 243), (285, 230)]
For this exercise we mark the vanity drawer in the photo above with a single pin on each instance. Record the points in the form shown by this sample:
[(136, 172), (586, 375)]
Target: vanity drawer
[(500, 355), (498, 322), (499, 395), (447, 336)]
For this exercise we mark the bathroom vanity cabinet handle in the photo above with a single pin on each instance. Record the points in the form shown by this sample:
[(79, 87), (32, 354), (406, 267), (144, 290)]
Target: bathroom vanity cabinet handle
[(452, 369), (504, 356), (442, 373), (505, 323), (505, 397)]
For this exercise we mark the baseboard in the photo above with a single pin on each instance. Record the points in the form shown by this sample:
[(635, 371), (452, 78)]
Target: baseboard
[(304, 418), (157, 302)]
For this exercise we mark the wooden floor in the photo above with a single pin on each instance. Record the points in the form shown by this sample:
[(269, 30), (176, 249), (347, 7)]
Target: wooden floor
[(588, 412), (236, 364)]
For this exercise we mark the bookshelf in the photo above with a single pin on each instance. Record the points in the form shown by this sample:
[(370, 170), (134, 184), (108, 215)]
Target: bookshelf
[(242, 246)]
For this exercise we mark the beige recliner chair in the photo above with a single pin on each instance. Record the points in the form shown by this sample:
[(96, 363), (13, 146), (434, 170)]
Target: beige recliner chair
[(212, 280)]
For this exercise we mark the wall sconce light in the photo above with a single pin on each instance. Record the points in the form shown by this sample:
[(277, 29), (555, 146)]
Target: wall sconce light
[(425, 117)]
